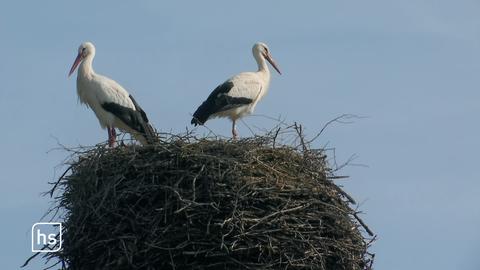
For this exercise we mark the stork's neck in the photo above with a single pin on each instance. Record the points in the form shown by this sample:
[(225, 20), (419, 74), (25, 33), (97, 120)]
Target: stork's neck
[(86, 69), (262, 65)]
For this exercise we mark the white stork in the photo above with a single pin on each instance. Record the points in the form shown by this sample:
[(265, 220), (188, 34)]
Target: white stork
[(111, 103), (239, 95)]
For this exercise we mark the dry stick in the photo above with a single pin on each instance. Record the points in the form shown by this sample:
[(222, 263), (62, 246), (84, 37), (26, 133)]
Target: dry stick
[(278, 120), (31, 258), (60, 179), (336, 119), (245, 124), (363, 224), (239, 263), (209, 130), (275, 136), (37, 253), (172, 263), (299, 130), (51, 266), (372, 256), (335, 177), (195, 181), (280, 212), (53, 210), (339, 190)]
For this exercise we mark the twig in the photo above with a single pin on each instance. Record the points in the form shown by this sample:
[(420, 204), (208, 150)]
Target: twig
[(338, 119), (60, 179), (367, 229)]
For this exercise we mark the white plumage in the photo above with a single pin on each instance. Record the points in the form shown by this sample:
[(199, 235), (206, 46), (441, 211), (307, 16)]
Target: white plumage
[(239, 95), (111, 103), (247, 85)]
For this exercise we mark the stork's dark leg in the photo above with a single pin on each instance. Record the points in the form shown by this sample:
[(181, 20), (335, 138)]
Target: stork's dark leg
[(234, 130)]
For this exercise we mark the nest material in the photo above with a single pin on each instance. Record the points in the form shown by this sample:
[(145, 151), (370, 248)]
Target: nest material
[(207, 204)]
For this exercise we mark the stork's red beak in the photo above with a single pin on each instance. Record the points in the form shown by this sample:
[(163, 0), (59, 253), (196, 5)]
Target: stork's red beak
[(272, 62), (75, 64)]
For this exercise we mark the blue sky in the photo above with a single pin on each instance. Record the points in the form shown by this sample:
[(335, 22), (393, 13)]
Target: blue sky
[(411, 66)]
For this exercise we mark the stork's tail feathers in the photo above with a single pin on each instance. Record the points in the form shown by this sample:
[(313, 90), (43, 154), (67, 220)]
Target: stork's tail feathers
[(150, 134), (217, 101), (147, 136)]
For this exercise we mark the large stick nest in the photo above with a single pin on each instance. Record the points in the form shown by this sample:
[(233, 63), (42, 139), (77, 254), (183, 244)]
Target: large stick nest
[(188, 203)]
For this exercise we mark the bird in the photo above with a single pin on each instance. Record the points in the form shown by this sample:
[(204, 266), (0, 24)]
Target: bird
[(238, 96), (111, 103)]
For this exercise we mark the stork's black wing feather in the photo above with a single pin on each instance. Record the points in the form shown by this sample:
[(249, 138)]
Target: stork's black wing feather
[(150, 133), (138, 108), (218, 101), (135, 119)]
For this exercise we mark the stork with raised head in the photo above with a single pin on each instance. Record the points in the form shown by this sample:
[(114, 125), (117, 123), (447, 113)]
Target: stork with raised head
[(111, 103), (239, 95)]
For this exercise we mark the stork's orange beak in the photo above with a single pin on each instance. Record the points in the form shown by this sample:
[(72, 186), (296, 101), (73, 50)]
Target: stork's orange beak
[(272, 62), (75, 64)]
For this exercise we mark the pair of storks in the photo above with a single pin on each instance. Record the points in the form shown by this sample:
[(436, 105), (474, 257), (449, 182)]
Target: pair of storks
[(116, 108)]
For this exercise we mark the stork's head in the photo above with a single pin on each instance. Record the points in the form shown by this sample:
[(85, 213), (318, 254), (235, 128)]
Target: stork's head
[(261, 50), (85, 49)]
